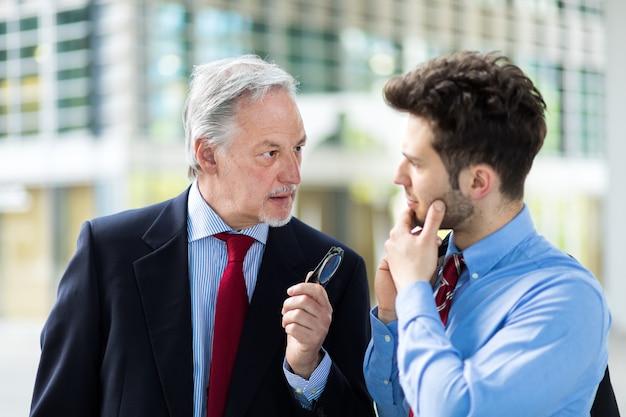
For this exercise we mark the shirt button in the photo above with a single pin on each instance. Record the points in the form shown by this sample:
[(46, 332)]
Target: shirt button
[(475, 275), (299, 390), (387, 338), (313, 391), (386, 382)]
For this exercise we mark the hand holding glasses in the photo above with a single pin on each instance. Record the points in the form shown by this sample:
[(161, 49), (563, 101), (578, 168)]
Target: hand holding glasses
[(327, 267)]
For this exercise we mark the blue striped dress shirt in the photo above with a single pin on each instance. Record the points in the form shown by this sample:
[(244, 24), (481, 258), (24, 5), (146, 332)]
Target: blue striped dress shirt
[(207, 260)]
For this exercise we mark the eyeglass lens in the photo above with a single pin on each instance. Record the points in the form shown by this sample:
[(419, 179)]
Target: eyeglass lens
[(329, 268)]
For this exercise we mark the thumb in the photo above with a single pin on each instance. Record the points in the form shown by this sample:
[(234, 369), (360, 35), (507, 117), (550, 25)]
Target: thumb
[(433, 219)]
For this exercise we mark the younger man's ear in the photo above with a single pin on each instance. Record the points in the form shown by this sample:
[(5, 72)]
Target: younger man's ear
[(480, 180)]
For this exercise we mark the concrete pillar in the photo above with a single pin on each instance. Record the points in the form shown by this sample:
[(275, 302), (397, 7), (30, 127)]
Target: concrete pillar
[(615, 218)]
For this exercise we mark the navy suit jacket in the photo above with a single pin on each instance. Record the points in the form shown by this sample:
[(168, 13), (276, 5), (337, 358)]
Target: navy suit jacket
[(118, 341)]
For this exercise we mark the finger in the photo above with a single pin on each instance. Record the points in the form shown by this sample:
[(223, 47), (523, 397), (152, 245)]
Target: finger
[(307, 339), (433, 219), (289, 304), (298, 318), (296, 289), (383, 264), (317, 323), (405, 219), (313, 290), (305, 303), (383, 269), (299, 302)]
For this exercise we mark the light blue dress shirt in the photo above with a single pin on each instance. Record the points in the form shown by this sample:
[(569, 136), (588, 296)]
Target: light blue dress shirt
[(207, 260), (526, 336)]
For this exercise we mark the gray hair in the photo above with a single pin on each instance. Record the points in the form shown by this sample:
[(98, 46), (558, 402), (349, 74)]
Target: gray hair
[(214, 92)]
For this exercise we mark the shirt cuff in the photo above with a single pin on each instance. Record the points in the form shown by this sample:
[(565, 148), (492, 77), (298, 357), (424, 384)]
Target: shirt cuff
[(382, 350), (308, 391), (380, 365), (383, 335)]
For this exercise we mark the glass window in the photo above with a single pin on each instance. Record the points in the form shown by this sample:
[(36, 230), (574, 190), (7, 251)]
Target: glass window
[(72, 73), (575, 115), (369, 59), (548, 79), (29, 106), (72, 16), (221, 34), (30, 89), (29, 123), (28, 51), (72, 102), (4, 106), (592, 112), (312, 58), (168, 51), (72, 45), (72, 118), (28, 23)]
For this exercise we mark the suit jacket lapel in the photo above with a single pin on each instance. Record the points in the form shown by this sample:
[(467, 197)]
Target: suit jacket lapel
[(263, 337), (162, 278)]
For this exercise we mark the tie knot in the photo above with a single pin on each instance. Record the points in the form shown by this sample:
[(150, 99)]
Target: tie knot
[(452, 268), (236, 244)]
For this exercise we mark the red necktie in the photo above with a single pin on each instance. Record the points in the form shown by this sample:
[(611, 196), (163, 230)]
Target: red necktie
[(230, 313), (449, 277), (451, 272)]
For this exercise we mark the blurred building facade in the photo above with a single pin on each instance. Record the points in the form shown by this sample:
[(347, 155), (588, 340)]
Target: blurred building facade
[(91, 93)]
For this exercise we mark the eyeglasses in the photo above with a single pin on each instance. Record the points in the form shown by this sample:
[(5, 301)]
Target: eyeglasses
[(327, 267)]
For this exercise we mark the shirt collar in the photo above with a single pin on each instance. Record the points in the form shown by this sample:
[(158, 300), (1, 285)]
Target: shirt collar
[(203, 221), (483, 255)]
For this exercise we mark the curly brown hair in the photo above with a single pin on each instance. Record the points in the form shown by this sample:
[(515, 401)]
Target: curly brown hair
[(481, 109)]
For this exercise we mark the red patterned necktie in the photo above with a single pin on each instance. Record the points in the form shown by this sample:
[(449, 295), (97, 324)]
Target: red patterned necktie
[(449, 277), (230, 313)]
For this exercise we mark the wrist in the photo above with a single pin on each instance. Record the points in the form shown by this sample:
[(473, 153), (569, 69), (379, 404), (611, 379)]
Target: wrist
[(387, 315), (305, 370)]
